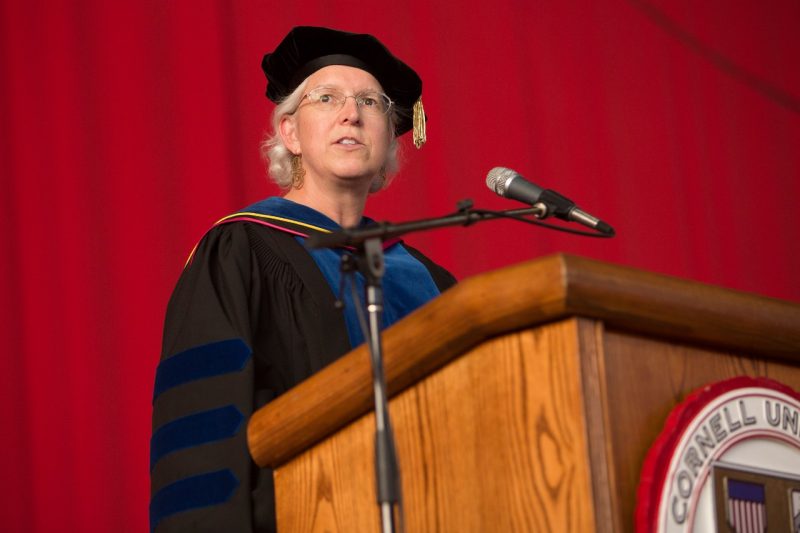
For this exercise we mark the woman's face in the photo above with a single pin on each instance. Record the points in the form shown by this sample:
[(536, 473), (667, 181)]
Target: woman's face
[(349, 144)]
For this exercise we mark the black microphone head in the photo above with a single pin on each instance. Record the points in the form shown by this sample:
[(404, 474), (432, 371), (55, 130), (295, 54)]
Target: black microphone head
[(497, 179)]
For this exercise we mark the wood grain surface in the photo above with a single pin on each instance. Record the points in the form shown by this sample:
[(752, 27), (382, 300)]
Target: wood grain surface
[(515, 298), (523, 400), (494, 441)]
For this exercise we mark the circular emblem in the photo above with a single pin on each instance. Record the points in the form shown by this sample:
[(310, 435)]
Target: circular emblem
[(729, 454)]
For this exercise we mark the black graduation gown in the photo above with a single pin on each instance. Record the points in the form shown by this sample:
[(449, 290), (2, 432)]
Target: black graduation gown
[(250, 317)]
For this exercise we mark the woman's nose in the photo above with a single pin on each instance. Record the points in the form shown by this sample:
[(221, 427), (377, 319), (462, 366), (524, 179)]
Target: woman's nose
[(350, 109)]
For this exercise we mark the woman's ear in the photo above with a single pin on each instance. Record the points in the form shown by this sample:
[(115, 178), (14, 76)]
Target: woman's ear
[(288, 131)]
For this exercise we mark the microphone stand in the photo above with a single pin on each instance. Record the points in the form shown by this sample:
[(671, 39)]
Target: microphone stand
[(369, 241), (370, 262), (354, 237), (386, 468)]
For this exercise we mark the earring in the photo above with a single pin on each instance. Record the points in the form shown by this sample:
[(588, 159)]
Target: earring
[(298, 172)]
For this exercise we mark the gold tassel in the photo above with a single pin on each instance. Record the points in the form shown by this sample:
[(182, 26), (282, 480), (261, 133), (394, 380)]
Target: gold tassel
[(419, 124)]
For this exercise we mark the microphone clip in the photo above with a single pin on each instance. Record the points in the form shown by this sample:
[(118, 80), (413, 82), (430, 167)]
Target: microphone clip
[(554, 204)]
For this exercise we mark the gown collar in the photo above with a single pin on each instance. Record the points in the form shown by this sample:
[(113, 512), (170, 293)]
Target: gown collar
[(289, 216)]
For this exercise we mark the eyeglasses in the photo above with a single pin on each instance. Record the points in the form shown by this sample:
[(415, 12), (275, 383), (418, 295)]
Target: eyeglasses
[(333, 100)]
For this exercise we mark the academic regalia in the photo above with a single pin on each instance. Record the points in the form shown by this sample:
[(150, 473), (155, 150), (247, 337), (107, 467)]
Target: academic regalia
[(252, 315)]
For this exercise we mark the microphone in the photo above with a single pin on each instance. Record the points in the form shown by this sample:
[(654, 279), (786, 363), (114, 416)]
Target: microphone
[(509, 184)]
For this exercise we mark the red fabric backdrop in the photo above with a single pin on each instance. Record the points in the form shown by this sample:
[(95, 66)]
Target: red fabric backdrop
[(129, 127)]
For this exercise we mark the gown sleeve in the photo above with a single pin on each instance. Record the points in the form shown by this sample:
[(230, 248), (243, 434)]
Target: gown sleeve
[(200, 468)]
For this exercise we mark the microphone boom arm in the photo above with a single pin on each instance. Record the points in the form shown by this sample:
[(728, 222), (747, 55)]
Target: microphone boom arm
[(466, 216)]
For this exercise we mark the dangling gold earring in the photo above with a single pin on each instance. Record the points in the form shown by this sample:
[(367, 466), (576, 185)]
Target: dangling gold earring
[(298, 172)]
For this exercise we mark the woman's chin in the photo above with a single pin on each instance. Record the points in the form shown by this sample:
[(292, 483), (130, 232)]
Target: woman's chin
[(355, 174)]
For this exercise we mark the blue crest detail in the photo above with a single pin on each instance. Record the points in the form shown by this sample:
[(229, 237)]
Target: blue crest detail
[(190, 493), (208, 360), (194, 430), (745, 490)]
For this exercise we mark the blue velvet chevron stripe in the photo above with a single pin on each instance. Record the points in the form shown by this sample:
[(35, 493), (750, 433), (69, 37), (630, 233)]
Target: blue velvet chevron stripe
[(208, 360), (194, 430), (193, 492)]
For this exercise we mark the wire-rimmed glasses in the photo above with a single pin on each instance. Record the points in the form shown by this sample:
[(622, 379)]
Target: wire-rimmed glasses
[(330, 99)]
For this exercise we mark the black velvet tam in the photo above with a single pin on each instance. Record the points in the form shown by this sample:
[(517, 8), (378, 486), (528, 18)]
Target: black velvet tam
[(307, 49)]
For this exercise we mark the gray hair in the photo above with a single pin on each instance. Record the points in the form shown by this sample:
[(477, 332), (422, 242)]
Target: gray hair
[(279, 158)]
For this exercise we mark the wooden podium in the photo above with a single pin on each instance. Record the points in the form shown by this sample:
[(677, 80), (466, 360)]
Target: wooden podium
[(524, 399)]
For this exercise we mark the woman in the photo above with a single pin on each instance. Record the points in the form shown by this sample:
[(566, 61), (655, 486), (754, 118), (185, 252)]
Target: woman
[(254, 312)]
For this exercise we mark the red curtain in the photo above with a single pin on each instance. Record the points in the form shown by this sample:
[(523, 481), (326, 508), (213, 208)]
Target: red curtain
[(129, 127)]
